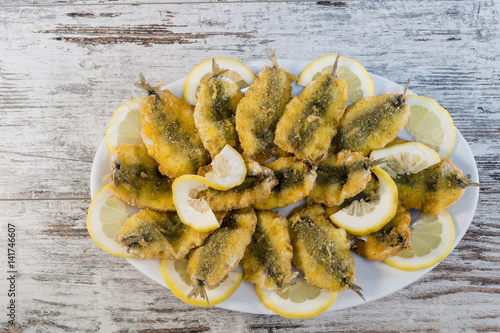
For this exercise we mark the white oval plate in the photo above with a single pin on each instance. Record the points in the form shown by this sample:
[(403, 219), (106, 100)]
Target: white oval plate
[(377, 279)]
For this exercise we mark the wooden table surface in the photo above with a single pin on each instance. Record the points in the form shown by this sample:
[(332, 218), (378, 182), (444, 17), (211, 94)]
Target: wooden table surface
[(65, 66)]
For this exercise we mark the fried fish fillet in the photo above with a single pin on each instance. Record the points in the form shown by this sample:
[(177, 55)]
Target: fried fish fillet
[(295, 182), (222, 251), (389, 241), (149, 234), (341, 176), (321, 250), (373, 122), (137, 180), (169, 132), (260, 109), (215, 112), (432, 189), (268, 258), (310, 119)]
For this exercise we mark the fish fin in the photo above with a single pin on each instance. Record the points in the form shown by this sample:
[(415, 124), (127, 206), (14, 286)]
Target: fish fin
[(216, 70), (145, 85), (465, 182), (357, 289), (407, 86)]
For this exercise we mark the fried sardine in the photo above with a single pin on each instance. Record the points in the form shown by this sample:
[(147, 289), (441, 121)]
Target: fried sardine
[(215, 111), (321, 250), (169, 132), (389, 241), (310, 119), (373, 122), (222, 251), (149, 234), (137, 180), (261, 108), (340, 177), (268, 258), (295, 182), (432, 189)]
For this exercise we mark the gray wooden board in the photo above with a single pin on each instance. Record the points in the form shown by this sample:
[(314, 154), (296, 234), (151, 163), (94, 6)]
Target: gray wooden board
[(65, 69)]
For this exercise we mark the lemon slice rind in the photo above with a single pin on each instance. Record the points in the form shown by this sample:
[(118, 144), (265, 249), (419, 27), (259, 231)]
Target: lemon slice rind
[(95, 225), (205, 67), (382, 213), (435, 255), (181, 289), (404, 158), (289, 309), (431, 124), (125, 125), (359, 82)]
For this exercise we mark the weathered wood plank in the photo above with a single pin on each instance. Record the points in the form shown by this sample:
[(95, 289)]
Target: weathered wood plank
[(67, 284)]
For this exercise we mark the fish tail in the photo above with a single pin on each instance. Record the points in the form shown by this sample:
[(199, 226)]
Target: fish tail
[(145, 85), (271, 55), (465, 182), (357, 289), (216, 70), (334, 69), (199, 290)]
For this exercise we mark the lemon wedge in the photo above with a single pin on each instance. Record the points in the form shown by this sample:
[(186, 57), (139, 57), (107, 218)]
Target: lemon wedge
[(125, 125), (302, 300), (359, 82), (227, 169), (431, 240), (431, 125), (406, 158), (363, 218), (106, 215), (193, 211), (177, 279), (236, 71)]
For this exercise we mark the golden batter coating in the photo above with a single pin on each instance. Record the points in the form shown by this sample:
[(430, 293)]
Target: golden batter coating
[(222, 250), (389, 241), (340, 177), (321, 250), (215, 112), (260, 109), (257, 185), (311, 118), (137, 180), (373, 122), (149, 234), (268, 258), (432, 189), (169, 132), (295, 182)]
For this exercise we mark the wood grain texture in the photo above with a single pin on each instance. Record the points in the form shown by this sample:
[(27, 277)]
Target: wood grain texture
[(65, 69)]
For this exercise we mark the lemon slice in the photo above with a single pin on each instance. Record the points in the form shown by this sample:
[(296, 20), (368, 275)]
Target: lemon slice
[(431, 240), (193, 211), (237, 71), (431, 125), (406, 158), (125, 125), (359, 82), (363, 218), (106, 215), (302, 300), (228, 169), (177, 279)]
